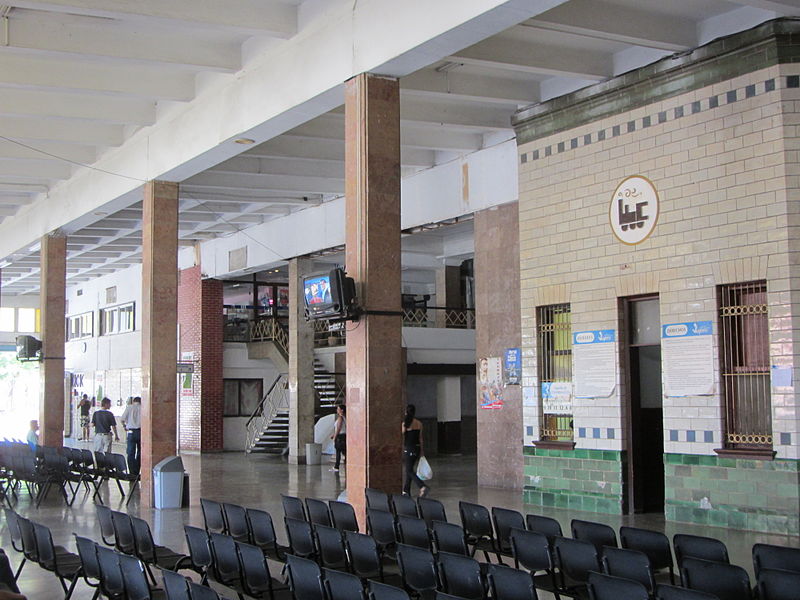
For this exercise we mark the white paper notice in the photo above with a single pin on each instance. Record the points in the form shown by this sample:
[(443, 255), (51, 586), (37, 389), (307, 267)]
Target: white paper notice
[(594, 354), (688, 358)]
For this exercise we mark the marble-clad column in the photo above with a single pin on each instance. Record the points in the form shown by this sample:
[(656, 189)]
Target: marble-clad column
[(301, 365), (372, 232), (159, 327), (52, 300)]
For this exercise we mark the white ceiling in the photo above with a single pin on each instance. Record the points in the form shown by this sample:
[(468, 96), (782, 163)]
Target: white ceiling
[(79, 79)]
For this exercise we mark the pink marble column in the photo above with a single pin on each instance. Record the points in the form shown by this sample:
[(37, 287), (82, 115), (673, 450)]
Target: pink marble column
[(375, 363), (52, 300), (159, 327)]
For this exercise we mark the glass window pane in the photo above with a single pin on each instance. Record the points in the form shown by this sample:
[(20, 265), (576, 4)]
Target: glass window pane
[(6, 318), (645, 322), (250, 395), (26, 319), (231, 398)]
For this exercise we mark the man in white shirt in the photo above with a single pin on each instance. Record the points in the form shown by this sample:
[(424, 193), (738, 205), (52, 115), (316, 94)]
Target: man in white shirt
[(132, 421)]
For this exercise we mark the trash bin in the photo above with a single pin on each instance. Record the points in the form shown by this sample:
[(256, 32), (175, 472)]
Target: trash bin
[(168, 482), (313, 454)]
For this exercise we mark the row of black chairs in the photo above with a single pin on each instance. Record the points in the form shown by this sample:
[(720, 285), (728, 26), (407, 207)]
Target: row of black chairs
[(249, 525)]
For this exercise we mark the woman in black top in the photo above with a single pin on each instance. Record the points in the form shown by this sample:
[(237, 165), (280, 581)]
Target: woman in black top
[(412, 450)]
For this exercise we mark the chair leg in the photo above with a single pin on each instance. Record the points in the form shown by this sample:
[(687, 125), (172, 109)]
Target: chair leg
[(119, 485), (19, 569)]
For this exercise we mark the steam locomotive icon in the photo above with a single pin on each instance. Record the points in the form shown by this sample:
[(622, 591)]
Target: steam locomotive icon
[(631, 218)]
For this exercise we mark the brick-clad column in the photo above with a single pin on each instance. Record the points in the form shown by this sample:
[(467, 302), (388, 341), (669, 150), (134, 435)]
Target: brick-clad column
[(52, 300), (159, 327), (372, 232), (301, 365)]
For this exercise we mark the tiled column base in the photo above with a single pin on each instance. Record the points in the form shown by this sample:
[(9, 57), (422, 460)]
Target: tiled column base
[(589, 480), (759, 495)]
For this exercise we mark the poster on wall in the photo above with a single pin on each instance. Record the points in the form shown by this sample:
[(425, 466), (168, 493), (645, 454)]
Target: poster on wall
[(688, 356), (186, 385), (557, 397), (512, 366), (490, 377), (594, 354)]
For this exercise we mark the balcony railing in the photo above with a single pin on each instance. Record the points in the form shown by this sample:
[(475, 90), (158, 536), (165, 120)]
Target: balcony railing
[(438, 316)]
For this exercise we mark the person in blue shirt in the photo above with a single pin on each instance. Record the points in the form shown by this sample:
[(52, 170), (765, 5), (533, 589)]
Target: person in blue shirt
[(33, 435)]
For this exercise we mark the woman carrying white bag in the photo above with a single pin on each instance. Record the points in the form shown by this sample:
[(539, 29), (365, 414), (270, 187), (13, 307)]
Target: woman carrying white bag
[(412, 452)]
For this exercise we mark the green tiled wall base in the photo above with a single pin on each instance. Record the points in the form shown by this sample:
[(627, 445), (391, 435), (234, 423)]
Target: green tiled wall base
[(589, 480), (726, 492)]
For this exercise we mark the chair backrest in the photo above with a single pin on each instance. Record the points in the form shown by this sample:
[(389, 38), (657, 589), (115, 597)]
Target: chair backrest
[(576, 558), (413, 532), (653, 543), (417, 568), (293, 507), (262, 529), (598, 534), (403, 505), (29, 548), (87, 551), (342, 586), (606, 587), (697, 546), (531, 550), (145, 546), (460, 576), (343, 516), (778, 584), (199, 550), (202, 592), (106, 524), (363, 553), (305, 578), (123, 532), (301, 537), (673, 592), (225, 567), (727, 582), (476, 520), (377, 499), (133, 577), (431, 510), (44, 546), (382, 591), (256, 578), (546, 525), (318, 512), (118, 463), (381, 526), (630, 564), (768, 556), (111, 583), (331, 547), (505, 520), (506, 583), (13, 529), (236, 522), (449, 537), (213, 517), (175, 585)]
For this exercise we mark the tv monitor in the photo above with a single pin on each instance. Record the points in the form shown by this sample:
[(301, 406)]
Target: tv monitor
[(328, 295), (28, 348)]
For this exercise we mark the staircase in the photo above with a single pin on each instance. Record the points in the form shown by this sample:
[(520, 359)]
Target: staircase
[(327, 390), (275, 438), (268, 426)]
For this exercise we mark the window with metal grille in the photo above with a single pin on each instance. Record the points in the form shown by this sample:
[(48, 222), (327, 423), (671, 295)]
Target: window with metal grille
[(744, 364), (554, 350)]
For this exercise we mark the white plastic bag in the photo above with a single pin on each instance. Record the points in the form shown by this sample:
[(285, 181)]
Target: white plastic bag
[(424, 470)]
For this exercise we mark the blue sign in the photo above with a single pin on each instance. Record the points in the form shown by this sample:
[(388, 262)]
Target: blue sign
[(689, 329), (513, 366), (598, 336)]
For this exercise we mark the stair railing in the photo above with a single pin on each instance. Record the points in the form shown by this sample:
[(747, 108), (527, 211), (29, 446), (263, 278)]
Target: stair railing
[(274, 401), (270, 330)]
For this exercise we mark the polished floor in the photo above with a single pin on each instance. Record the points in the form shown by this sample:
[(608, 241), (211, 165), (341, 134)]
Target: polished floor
[(258, 481)]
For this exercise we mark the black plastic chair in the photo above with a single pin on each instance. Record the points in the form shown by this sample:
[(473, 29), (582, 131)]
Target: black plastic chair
[(460, 576), (342, 586), (477, 524), (403, 505), (725, 581), (599, 534), (28, 534), (175, 585), (546, 525), (111, 584), (381, 591), (449, 537), (673, 592), (236, 522), (377, 499), (152, 554), (330, 546), (380, 525), (318, 512), (257, 580), (629, 564), (106, 525), (225, 567), (343, 516), (507, 583), (305, 578), (199, 550), (531, 550), (606, 587), (202, 592), (213, 516), (301, 538), (652, 543), (768, 556), (576, 559), (293, 508), (778, 584), (65, 565), (87, 551), (364, 555), (135, 580), (504, 521), (123, 532), (417, 570), (120, 473), (413, 531), (262, 534), (16, 537), (696, 546), (431, 510)]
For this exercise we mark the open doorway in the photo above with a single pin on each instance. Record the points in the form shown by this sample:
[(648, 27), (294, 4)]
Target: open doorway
[(641, 353)]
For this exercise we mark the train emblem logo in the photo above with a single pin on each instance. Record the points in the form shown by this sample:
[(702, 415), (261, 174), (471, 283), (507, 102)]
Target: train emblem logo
[(633, 211)]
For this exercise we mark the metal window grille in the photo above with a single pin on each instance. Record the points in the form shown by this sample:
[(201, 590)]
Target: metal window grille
[(554, 345), (744, 364)]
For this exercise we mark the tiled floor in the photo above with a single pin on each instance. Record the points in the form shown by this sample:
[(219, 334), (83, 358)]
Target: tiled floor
[(258, 481)]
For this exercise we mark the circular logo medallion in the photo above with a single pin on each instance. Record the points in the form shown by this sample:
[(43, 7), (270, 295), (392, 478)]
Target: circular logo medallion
[(633, 212)]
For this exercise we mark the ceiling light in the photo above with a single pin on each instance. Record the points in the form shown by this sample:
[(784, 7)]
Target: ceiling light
[(245, 141)]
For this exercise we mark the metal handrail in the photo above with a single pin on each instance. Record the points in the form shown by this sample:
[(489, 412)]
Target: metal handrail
[(276, 399), (270, 330)]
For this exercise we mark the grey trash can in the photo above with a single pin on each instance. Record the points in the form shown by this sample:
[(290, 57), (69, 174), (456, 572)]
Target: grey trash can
[(313, 454), (168, 482)]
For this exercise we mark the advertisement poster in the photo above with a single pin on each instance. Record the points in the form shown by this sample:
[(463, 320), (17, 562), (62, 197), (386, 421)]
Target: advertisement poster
[(688, 357), (594, 355), (557, 397), (513, 366), (186, 385), (490, 377)]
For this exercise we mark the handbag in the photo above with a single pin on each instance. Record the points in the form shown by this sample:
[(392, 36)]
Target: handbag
[(424, 470)]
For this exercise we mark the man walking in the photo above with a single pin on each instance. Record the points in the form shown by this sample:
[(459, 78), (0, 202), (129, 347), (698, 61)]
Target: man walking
[(104, 421), (132, 421)]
